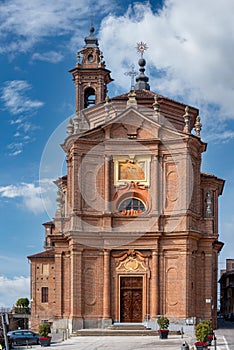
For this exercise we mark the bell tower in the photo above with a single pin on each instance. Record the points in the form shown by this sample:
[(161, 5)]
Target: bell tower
[(90, 74)]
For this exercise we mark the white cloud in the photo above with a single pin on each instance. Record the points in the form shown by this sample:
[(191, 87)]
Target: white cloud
[(28, 193), (17, 134), (15, 99), (190, 50), (15, 148), (51, 56), (36, 199), (12, 191), (14, 95), (16, 121), (224, 136), (49, 194), (13, 289), (26, 23)]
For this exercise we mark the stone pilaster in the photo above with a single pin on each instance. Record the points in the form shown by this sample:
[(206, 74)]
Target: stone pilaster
[(58, 284), (106, 285), (76, 182), (76, 284), (107, 184), (154, 291)]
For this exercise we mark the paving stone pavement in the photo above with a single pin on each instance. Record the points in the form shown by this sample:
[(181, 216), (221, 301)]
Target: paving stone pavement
[(174, 342)]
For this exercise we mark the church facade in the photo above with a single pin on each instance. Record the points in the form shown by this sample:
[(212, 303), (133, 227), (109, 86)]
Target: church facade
[(135, 234)]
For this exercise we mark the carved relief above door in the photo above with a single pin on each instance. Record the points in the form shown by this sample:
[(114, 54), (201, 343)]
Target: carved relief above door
[(131, 260)]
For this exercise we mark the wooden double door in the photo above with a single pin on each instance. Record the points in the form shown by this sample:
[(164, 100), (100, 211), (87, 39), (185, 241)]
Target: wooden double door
[(131, 292)]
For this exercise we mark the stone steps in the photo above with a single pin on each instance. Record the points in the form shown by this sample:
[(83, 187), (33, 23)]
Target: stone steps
[(115, 332), (118, 329), (128, 326)]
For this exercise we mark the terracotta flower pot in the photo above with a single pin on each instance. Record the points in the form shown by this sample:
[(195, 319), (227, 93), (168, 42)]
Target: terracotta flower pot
[(209, 339), (45, 341), (201, 345)]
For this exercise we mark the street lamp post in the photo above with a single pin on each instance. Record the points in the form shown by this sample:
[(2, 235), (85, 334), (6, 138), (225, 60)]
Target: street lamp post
[(4, 324)]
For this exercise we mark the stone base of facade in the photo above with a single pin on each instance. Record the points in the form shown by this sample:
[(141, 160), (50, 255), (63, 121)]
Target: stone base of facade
[(97, 323), (67, 325), (72, 325), (106, 323)]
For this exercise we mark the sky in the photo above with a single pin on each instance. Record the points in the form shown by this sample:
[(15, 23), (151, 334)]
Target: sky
[(190, 58)]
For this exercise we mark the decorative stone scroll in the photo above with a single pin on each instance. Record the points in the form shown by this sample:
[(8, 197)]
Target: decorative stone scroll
[(132, 261)]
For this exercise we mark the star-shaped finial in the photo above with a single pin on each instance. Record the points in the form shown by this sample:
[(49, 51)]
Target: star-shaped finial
[(141, 48)]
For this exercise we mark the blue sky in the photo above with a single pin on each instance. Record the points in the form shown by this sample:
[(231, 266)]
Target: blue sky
[(190, 59)]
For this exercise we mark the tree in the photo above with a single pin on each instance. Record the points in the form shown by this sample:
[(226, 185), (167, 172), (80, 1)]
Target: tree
[(22, 302), (22, 305)]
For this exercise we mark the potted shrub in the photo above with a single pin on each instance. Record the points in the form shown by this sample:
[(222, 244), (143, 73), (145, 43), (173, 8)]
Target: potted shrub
[(44, 330), (202, 330), (163, 323), (211, 333)]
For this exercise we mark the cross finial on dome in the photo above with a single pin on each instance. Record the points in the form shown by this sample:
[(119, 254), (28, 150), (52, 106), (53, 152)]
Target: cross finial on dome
[(132, 73)]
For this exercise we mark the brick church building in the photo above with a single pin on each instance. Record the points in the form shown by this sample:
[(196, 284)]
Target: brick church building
[(136, 227)]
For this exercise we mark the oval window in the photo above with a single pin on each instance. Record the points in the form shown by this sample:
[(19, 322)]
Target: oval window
[(90, 58)]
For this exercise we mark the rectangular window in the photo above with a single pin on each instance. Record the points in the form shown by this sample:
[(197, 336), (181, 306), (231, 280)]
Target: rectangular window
[(44, 294), (45, 269)]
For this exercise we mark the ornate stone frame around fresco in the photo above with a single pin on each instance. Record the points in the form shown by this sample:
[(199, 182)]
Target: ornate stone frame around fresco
[(132, 168)]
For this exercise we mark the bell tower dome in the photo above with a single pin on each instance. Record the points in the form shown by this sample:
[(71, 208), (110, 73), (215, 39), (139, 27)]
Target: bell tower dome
[(90, 74)]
